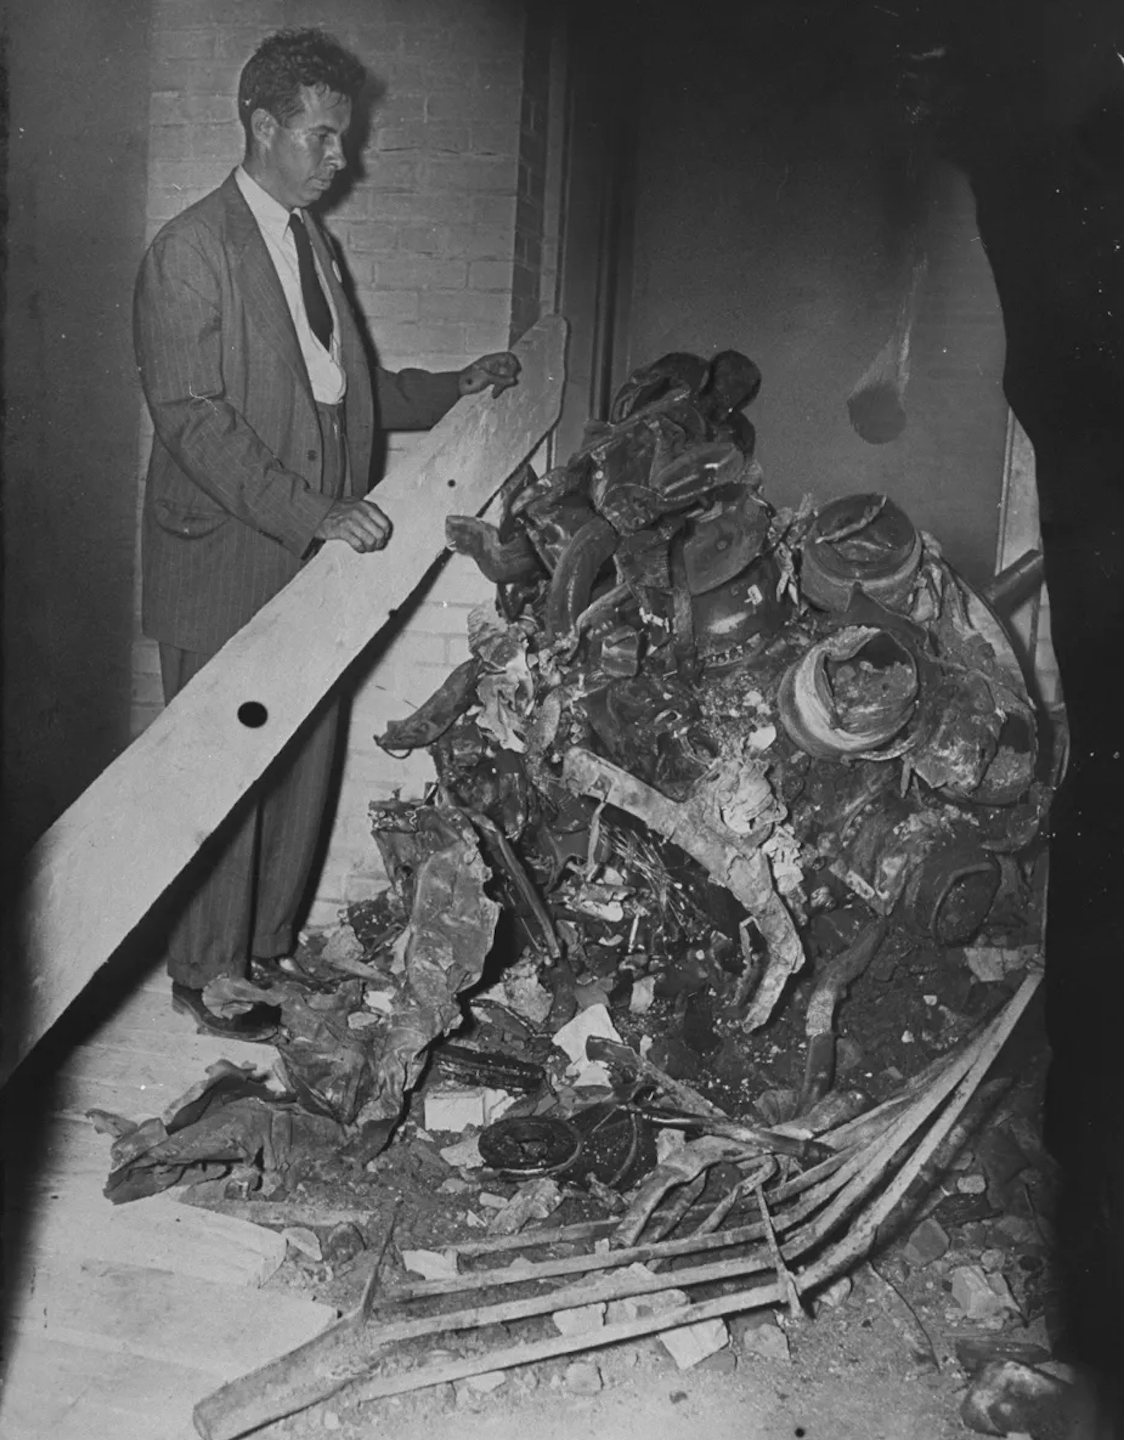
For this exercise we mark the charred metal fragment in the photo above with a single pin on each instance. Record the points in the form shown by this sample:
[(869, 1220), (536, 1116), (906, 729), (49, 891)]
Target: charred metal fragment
[(434, 716), (502, 564), (579, 565)]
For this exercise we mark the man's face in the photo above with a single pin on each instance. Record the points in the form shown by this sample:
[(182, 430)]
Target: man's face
[(297, 162)]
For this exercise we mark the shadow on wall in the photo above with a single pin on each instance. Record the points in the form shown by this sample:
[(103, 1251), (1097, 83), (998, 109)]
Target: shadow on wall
[(784, 206), (77, 106)]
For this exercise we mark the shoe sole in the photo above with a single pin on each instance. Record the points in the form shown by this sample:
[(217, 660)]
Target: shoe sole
[(181, 1007)]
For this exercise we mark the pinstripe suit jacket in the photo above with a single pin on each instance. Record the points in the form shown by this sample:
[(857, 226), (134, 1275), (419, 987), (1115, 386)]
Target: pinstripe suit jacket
[(234, 492)]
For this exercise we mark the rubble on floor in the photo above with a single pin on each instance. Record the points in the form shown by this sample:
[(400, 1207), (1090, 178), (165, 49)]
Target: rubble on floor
[(692, 969)]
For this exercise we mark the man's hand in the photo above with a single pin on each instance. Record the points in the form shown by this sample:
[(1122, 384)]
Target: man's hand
[(500, 371), (359, 522)]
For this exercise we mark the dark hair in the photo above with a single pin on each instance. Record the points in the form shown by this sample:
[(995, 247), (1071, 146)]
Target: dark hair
[(272, 77)]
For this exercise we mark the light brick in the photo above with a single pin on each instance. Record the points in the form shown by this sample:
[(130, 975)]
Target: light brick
[(391, 305), (355, 200), (456, 650), (434, 337), (499, 36), (494, 71), (424, 650), (422, 136), (398, 337), (403, 103), (195, 142), (494, 209), (496, 103), (359, 887), (440, 46), (367, 237), (404, 39), (421, 272), (489, 275), (191, 178), (448, 73), (482, 339), (417, 209), (388, 57), (436, 11), (216, 13), (195, 77), (490, 138), (238, 42), (392, 172), (504, 32), (470, 173), (171, 107), (445, 617), (423, 239), (466, 305), (362, 271), (185, 44), (478, 242), (163, 205), (435, 360)]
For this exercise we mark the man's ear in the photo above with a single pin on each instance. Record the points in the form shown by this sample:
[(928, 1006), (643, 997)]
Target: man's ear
[(263, 127)]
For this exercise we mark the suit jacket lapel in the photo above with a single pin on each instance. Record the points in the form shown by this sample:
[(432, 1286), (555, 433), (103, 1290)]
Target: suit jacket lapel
[(261, 288)]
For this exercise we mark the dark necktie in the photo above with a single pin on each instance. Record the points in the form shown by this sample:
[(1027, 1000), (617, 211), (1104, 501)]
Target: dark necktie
[(315, 304)]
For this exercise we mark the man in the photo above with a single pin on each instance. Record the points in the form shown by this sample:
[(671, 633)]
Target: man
[(261, 399)]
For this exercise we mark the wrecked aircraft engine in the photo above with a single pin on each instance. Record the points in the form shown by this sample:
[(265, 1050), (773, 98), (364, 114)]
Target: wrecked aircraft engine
[(701, 747), (694, 724)]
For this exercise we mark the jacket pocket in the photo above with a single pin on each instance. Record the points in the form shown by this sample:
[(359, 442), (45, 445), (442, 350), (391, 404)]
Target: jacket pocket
[(189, 521)]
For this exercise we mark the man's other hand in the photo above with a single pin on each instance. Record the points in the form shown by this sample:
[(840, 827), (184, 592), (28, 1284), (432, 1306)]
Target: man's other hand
[(500, 371), (359, 522)]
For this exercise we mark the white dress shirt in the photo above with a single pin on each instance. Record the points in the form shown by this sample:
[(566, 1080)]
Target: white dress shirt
[(324, 368)]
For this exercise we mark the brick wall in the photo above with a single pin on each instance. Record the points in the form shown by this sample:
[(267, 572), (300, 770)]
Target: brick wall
[(530, 204), (445, 232)]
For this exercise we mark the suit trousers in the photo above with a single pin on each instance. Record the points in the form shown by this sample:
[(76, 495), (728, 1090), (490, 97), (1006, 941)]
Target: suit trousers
[(255, 872)]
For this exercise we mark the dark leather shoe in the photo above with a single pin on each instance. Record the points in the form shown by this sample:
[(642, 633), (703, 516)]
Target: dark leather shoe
[(257, 1023)]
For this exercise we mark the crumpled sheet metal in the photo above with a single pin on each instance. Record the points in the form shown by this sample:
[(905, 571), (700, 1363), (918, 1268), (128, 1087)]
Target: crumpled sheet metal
[(987, 746), (325, 1062), (742, 869), (452, 924), (443, 708), (227, 1118), (668, 636)]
